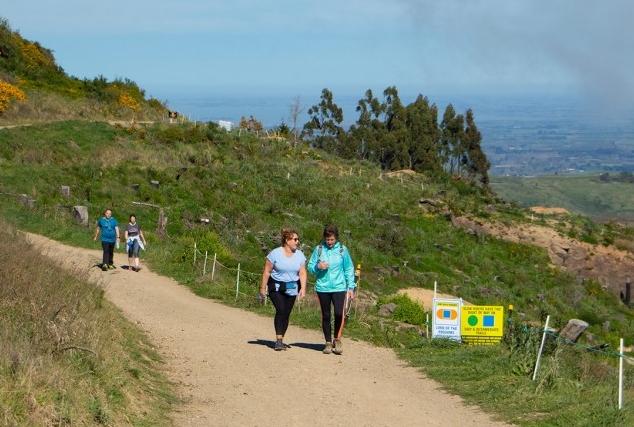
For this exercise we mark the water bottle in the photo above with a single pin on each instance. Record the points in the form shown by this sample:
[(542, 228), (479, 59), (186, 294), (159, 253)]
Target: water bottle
[(117, 244)]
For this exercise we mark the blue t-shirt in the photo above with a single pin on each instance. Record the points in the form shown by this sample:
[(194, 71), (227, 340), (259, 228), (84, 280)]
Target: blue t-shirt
[(286, 269), (108, 232)]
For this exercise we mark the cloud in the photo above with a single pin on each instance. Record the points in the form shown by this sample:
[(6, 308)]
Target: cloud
[(538, 41)]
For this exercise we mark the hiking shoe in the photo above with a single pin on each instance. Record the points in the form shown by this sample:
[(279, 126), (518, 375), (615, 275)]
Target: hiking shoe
[(328, 348), (337, 346), (104, 267), (133, 268), (279, 345), (111, 266)]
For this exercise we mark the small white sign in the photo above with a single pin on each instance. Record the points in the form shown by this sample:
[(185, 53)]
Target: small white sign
[(446, 320)]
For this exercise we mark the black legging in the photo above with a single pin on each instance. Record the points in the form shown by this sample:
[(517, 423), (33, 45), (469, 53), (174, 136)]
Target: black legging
[(283, 306), (326, 299), (108, 252)]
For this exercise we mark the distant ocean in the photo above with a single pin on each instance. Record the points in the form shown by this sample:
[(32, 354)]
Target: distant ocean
[(512, 126), (272, 110)]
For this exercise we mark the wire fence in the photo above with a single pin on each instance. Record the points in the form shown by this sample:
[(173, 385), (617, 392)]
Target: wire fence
[(247, 285), (226, 283), (244, 287), (546, 332)]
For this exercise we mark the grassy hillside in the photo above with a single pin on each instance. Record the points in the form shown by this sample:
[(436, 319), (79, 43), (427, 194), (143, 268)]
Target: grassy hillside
[(586, 195), (68, 357), (228, 195), (248, 188), (34, 88)]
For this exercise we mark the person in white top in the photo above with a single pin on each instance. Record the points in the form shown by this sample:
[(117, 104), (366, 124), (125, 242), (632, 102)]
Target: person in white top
[(135, 240)]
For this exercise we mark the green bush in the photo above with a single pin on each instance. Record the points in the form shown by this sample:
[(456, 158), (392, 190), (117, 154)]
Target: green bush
[(408, 311)]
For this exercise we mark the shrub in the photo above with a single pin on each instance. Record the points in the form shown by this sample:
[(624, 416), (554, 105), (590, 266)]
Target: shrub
[(7, 93), (408, 311)]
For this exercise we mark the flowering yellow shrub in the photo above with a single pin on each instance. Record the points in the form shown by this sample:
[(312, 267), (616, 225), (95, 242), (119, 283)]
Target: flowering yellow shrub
[(127, 101), (8, 92), (34, 56)]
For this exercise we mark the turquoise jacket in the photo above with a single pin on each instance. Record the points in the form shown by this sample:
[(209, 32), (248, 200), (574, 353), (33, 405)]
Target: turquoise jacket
[(339, 276)]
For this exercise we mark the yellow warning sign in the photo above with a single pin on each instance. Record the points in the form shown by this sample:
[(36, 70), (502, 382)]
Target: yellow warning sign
[(482, 323)]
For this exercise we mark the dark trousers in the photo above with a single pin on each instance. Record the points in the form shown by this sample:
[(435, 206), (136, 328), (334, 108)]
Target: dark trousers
[(326, 301), (283, 306), (108, 252)]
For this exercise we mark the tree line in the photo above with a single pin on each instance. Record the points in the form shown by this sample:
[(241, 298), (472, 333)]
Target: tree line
[(398, 136)]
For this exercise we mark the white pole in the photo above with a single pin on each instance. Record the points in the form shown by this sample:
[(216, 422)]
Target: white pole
[(541, 348), (213, 268), (427, 326), (195, 250), (435, 287), (621, 375), (205, 264), (238, 282)]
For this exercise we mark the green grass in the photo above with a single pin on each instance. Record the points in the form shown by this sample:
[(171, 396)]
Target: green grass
[(68, 357), (580, 194), (248, 188), (573, 387)]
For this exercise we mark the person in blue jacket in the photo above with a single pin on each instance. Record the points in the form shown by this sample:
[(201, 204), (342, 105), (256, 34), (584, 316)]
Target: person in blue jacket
[(332, 266)]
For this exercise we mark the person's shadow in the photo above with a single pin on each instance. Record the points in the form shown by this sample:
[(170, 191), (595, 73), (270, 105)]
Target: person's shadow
[(271, 344)]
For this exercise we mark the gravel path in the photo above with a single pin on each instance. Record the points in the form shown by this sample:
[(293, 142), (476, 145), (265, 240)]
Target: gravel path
[(226, 371)]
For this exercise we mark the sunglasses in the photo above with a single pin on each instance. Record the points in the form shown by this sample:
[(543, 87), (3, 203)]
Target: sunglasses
[(296, 239)]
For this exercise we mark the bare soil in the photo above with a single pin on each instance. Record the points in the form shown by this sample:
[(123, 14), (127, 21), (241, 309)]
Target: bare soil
[(227, 373)]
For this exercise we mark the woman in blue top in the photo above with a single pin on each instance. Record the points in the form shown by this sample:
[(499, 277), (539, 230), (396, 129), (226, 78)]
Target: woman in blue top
[(333, 268), (284, 278), (109, 229)]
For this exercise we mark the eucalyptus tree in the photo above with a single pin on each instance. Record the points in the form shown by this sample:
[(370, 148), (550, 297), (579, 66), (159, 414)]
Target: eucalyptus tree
[(424, 134), (323, 128), (475, 160), (366, 134), (452, 140), (395, 146)]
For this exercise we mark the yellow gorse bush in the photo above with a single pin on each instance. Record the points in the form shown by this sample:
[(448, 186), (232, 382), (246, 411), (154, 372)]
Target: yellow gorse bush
[(127, 101), (7, 93), (34, 56)]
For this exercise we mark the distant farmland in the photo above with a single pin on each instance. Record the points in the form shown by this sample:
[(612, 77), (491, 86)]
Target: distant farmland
[(580, 194)]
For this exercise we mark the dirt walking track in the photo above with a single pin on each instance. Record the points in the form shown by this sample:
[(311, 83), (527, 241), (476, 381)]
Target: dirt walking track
[(228, 374)]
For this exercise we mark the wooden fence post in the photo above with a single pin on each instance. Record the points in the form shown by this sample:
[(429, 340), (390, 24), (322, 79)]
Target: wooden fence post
[(161, 230)]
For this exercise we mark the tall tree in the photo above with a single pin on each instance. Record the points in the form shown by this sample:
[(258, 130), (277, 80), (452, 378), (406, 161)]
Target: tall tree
[(324, 127), (422, 124), (369, 129), (476, 161), (452, 140), (395, 146), (295, 110)]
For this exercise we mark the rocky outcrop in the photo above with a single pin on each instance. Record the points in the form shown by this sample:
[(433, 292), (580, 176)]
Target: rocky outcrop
[(610, 267)]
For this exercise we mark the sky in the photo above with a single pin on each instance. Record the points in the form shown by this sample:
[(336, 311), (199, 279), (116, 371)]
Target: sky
[(297, 48)]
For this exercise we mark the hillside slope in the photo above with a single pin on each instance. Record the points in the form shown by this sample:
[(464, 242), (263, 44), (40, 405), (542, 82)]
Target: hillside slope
[(607, 265)]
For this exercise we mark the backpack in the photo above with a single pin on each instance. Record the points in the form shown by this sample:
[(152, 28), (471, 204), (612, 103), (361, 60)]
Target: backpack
[(321, 247)]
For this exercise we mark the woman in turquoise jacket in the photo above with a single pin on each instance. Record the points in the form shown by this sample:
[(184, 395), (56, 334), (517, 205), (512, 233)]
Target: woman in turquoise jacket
[(334, 271)]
